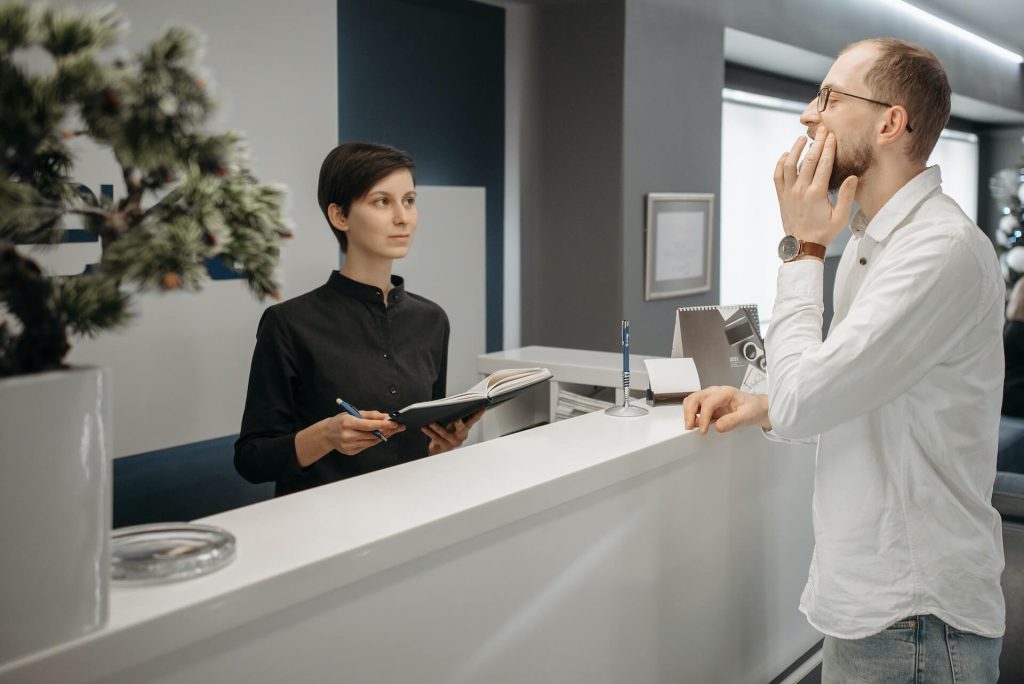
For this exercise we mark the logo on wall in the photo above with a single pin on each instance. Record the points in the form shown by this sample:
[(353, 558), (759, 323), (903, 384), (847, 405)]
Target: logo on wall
[(216, 268)]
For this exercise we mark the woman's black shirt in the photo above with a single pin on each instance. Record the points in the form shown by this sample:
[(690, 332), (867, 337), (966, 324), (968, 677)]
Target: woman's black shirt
[(338, 341)]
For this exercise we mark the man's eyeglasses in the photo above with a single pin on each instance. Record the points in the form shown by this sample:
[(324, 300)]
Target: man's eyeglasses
[(824, 94)]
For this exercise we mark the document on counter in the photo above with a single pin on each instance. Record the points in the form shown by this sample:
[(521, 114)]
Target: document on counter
[(671, 380), (496, 388), (725, 344)]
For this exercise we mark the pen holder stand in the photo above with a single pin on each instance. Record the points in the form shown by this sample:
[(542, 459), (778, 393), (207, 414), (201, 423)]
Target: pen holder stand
[(626, 410)]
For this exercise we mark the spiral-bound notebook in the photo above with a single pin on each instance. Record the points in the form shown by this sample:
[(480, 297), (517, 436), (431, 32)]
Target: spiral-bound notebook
[(725, 345)]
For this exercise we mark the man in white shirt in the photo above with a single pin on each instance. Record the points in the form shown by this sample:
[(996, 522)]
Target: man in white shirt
[(903, 396)]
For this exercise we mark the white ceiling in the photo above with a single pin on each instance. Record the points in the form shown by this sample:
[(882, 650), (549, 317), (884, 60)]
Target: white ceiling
[(769, 55), (1001, 21)]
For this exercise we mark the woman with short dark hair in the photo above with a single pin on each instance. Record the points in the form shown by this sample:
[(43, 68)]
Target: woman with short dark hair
[(360, 337)]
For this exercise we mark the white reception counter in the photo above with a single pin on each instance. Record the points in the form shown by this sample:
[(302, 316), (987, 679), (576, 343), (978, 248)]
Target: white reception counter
[(597, 549)]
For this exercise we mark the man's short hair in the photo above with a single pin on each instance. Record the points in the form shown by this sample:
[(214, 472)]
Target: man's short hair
[(910, 75), (350, 171)]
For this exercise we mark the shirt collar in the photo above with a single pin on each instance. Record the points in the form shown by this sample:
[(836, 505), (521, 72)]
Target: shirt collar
[(364, 292), (899, 206)]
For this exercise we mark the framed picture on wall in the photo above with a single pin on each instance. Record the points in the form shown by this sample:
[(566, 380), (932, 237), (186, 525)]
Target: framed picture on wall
[(678, 238)]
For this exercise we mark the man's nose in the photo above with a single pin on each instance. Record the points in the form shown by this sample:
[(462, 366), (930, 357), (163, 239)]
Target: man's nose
[(811, 116)]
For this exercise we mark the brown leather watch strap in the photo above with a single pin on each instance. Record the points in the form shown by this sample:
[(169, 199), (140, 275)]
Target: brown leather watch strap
[(811, 249)]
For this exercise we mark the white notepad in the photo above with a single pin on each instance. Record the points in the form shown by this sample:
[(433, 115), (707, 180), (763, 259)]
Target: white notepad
[(672, 379)]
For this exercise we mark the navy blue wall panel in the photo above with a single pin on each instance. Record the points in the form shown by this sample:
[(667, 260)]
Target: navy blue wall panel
[(429, 77), (182, 483)]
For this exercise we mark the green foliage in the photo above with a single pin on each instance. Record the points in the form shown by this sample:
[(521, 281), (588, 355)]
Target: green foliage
[(15, 25), (189, 196), (64, 32), (90, 303)]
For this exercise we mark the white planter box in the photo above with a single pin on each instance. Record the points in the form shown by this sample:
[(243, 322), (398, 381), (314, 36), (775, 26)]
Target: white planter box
[(55, 507)]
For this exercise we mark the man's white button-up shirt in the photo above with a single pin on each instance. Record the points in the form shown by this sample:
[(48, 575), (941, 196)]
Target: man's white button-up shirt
[(904, 396)]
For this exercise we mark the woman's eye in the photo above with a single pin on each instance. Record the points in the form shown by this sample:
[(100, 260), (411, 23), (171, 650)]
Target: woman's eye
[(410, 201), (381, 202)]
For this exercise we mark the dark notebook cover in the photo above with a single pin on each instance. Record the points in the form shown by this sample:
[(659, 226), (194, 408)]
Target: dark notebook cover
[(450, 409)]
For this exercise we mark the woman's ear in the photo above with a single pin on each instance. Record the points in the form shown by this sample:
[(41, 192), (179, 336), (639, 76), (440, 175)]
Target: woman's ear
[(337, 217)]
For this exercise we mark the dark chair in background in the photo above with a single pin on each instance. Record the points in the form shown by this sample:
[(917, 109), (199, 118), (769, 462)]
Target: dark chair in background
[(1008, 499)]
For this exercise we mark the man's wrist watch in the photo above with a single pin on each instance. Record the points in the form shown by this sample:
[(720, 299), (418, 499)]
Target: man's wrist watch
[(791, 247)]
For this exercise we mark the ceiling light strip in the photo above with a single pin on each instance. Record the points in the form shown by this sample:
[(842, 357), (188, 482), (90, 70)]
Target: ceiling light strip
[(960, 33)]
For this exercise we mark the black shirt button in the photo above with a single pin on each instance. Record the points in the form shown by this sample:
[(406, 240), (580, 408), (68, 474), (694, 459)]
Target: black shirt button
[(393, 390), (387, 356), (863, 261)]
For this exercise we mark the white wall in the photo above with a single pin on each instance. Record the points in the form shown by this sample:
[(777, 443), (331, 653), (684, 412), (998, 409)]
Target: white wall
[(180, 369), (957, 154), (522, 155), (446, 264), (751, 226)]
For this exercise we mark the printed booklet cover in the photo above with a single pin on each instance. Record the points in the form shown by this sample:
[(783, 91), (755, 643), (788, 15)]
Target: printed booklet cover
[(725, 344)]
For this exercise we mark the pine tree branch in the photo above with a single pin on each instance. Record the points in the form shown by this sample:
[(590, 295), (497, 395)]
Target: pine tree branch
[(151, 114), (84, 211), (167, 200)]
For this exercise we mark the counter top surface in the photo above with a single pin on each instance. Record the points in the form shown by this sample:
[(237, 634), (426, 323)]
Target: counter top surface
[(298, 547)]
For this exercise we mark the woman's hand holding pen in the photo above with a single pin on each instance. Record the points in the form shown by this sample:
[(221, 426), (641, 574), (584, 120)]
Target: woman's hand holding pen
[(442, 439), (350, 435)]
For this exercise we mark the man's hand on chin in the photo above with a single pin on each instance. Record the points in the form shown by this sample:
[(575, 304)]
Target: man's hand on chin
[(807, 213)]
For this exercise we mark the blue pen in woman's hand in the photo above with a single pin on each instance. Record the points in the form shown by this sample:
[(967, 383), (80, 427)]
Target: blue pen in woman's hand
[(353, 411)]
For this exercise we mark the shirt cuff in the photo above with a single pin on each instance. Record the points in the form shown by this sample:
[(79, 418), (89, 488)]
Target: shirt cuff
[(802, 279), (772, 436)]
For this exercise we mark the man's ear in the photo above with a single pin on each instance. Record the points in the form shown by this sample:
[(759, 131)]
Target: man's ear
[(894, 123), (337, 217)]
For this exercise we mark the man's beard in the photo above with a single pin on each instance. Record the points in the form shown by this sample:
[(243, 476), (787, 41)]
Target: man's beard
[(854, 161)]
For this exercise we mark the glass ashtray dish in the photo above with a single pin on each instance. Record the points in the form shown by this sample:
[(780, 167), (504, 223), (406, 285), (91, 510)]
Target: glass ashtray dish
[(168, 552)]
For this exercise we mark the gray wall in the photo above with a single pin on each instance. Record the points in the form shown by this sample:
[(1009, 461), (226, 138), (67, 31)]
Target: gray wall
[(999, 148), (665, 59), (571, 185), (675, 71)]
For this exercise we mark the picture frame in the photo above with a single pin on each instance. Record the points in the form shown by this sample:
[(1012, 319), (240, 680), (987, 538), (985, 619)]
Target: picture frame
[(678, 235)]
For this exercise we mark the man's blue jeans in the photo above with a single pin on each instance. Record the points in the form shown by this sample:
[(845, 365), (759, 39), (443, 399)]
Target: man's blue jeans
[(918, 650)]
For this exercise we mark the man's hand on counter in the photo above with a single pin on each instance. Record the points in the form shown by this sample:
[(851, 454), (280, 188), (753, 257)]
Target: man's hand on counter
[(725, 407)]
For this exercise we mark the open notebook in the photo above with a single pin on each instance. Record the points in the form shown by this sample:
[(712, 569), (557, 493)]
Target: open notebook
[(498, 387)]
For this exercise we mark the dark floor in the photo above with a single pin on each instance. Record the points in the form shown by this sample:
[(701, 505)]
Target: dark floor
[(813, 677)]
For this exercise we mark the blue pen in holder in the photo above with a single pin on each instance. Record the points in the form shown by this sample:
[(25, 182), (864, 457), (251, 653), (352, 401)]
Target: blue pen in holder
[(625, 411)]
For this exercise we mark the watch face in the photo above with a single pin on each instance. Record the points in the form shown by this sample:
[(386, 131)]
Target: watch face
[(789, 247)]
